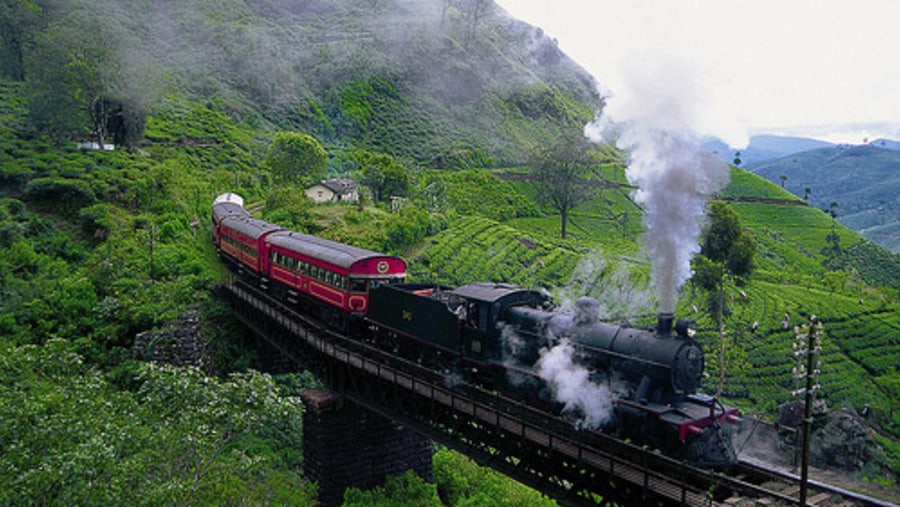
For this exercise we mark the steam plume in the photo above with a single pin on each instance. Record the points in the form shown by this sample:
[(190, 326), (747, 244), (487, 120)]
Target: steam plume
[(572, 386), (621, 292), (656, 125)]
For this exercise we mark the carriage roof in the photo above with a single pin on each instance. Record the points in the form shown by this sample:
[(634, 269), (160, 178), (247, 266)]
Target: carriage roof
[(332, 252), (252, 227), (491, 292), (223, 210)]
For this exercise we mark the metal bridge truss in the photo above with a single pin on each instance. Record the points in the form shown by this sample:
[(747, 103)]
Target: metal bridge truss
[(538, 449)]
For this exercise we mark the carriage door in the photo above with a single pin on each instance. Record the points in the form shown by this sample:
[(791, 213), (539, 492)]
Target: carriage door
[(475, 329)]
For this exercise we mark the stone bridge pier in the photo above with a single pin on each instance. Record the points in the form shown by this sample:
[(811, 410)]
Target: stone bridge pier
[(346, 445)]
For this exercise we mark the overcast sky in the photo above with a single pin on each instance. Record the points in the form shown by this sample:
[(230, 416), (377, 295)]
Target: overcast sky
[(806, 67)]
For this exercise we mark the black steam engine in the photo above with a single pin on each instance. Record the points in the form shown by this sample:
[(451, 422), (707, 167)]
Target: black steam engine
[(494, 334), (657, 373), (491, 335)]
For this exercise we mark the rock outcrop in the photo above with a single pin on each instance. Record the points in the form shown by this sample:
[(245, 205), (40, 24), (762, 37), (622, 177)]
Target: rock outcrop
[(177, 342)]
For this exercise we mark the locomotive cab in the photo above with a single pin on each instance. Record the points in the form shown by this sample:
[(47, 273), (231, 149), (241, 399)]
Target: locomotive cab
[(461, 321), (486, 306)]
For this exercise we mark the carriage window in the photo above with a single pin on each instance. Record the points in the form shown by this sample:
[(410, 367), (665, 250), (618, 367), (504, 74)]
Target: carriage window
[(357, 285)]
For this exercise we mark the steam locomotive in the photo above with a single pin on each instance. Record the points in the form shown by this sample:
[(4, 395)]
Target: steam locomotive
[(489, 334)]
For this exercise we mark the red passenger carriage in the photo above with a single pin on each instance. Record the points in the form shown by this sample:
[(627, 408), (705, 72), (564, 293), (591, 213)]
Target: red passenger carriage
[(307, 269), (243, 239), (338, 274)]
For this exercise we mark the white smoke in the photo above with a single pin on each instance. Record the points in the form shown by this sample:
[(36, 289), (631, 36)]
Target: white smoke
[(656, 123), (571, 385), (589, 403), (515, 351), (622, 292)]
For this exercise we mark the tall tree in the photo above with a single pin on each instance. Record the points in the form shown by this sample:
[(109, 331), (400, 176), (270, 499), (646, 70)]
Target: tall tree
[(295, 155), (561, 170), (726, 256), (17, 24), (383, 174), (56, 105), (122, 119), (77, 78)]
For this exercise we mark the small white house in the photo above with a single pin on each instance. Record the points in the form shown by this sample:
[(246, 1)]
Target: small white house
[(334, 190)]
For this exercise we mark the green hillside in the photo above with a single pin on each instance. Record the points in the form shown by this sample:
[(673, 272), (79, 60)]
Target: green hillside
[(860, 183), (447, 84)]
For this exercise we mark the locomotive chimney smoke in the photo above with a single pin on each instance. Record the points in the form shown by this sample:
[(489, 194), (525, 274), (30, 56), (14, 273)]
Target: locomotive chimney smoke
[(664, 321), (655, 124)]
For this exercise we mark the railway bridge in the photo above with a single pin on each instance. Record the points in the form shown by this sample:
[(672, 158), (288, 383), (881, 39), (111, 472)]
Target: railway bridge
[(538, 449)]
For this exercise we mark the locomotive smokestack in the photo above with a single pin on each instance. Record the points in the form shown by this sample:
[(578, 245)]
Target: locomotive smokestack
[(664, 322)]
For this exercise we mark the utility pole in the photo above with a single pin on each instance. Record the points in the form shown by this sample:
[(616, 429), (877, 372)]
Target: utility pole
[(808, 346)]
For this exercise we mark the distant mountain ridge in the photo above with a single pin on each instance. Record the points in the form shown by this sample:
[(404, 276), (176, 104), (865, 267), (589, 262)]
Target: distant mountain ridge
[(766, 147), (887, 144), (763, 147)]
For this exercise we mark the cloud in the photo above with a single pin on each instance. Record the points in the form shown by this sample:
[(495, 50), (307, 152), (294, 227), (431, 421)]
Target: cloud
[(760, 64)]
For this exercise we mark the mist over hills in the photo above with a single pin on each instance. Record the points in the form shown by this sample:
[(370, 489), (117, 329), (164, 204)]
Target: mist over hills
[(425, 80)]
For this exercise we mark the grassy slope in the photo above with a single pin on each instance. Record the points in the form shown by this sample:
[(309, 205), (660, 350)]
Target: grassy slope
[(77, 228), (861, 324), (197, 152), (95, 274), (862, 180)]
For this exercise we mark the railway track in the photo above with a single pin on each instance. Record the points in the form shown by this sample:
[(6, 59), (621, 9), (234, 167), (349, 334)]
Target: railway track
[(787, 484)]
